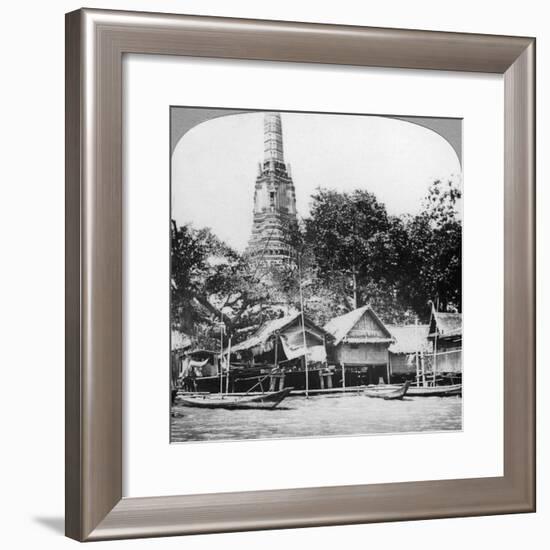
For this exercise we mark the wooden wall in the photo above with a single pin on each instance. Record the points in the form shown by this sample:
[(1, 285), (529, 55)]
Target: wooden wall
[(361, 354)]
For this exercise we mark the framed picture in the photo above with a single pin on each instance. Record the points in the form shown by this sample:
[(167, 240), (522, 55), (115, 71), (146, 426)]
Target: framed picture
[(300, 277), (276, 312)]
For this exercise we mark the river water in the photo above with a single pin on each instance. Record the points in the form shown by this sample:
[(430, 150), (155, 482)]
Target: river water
[(328, 415)]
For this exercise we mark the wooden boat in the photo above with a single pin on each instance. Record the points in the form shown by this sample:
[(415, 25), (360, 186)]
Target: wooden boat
[(435, 391), (388, 394), (268, 400), (419, 391)]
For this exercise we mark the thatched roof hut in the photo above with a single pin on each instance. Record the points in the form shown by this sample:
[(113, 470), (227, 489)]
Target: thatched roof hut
[(445, 333), (360, 326), (361, 342), (285, 333), (445, 325), (409, 339)]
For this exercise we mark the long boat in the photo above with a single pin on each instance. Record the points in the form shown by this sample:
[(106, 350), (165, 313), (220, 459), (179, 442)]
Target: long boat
[(388, 393), (420, 391), (435, 391), (268, 400)]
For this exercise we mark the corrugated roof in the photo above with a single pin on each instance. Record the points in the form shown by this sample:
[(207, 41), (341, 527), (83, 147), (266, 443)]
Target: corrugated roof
[(448, 324), (409, 338), (341, 325)]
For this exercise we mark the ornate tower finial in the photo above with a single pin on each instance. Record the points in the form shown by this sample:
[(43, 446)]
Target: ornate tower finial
[(273, 137)]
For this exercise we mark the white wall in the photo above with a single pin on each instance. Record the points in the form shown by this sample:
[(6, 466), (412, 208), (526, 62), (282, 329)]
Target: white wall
[(31, 275)]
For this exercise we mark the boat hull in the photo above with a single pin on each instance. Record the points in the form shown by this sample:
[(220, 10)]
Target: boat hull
[(435, 391), (418, 391), (229, 402), (388, 394)]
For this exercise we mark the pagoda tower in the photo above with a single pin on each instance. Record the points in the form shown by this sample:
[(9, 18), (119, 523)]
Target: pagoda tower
[(274, 201)]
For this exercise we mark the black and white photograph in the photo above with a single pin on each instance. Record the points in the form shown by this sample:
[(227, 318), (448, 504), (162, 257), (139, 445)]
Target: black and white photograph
[(315, 274)]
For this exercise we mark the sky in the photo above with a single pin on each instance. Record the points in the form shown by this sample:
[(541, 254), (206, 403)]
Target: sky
[(215, 164)]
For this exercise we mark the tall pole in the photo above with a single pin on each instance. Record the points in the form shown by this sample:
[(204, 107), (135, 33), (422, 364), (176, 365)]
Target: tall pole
[(303, 326), (228, 365), (423, 367), (343, 376), (273, 381), (416, 353), (434, 366), (221, 353)]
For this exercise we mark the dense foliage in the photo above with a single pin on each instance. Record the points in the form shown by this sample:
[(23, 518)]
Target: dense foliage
[(350, 252)]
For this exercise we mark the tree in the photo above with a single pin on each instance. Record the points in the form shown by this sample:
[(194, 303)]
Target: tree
[(187, 260), (349, 234), (442, 201), (211, 282), (433, 253), (396, 264)]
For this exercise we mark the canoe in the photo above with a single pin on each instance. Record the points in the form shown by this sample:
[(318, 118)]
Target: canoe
[(268, 400), (388, 394), (435, 391), (419, 391)]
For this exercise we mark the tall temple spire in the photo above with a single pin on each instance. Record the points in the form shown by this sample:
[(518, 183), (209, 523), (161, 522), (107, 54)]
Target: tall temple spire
[(273, 137), (274, 201)]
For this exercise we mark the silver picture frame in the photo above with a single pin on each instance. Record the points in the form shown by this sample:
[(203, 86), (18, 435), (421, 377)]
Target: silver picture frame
[(96, 41)]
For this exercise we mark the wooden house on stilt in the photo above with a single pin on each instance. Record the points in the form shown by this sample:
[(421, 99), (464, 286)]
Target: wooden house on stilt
[(408, 350), (445, 334), (360, 346), (287, 346)]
